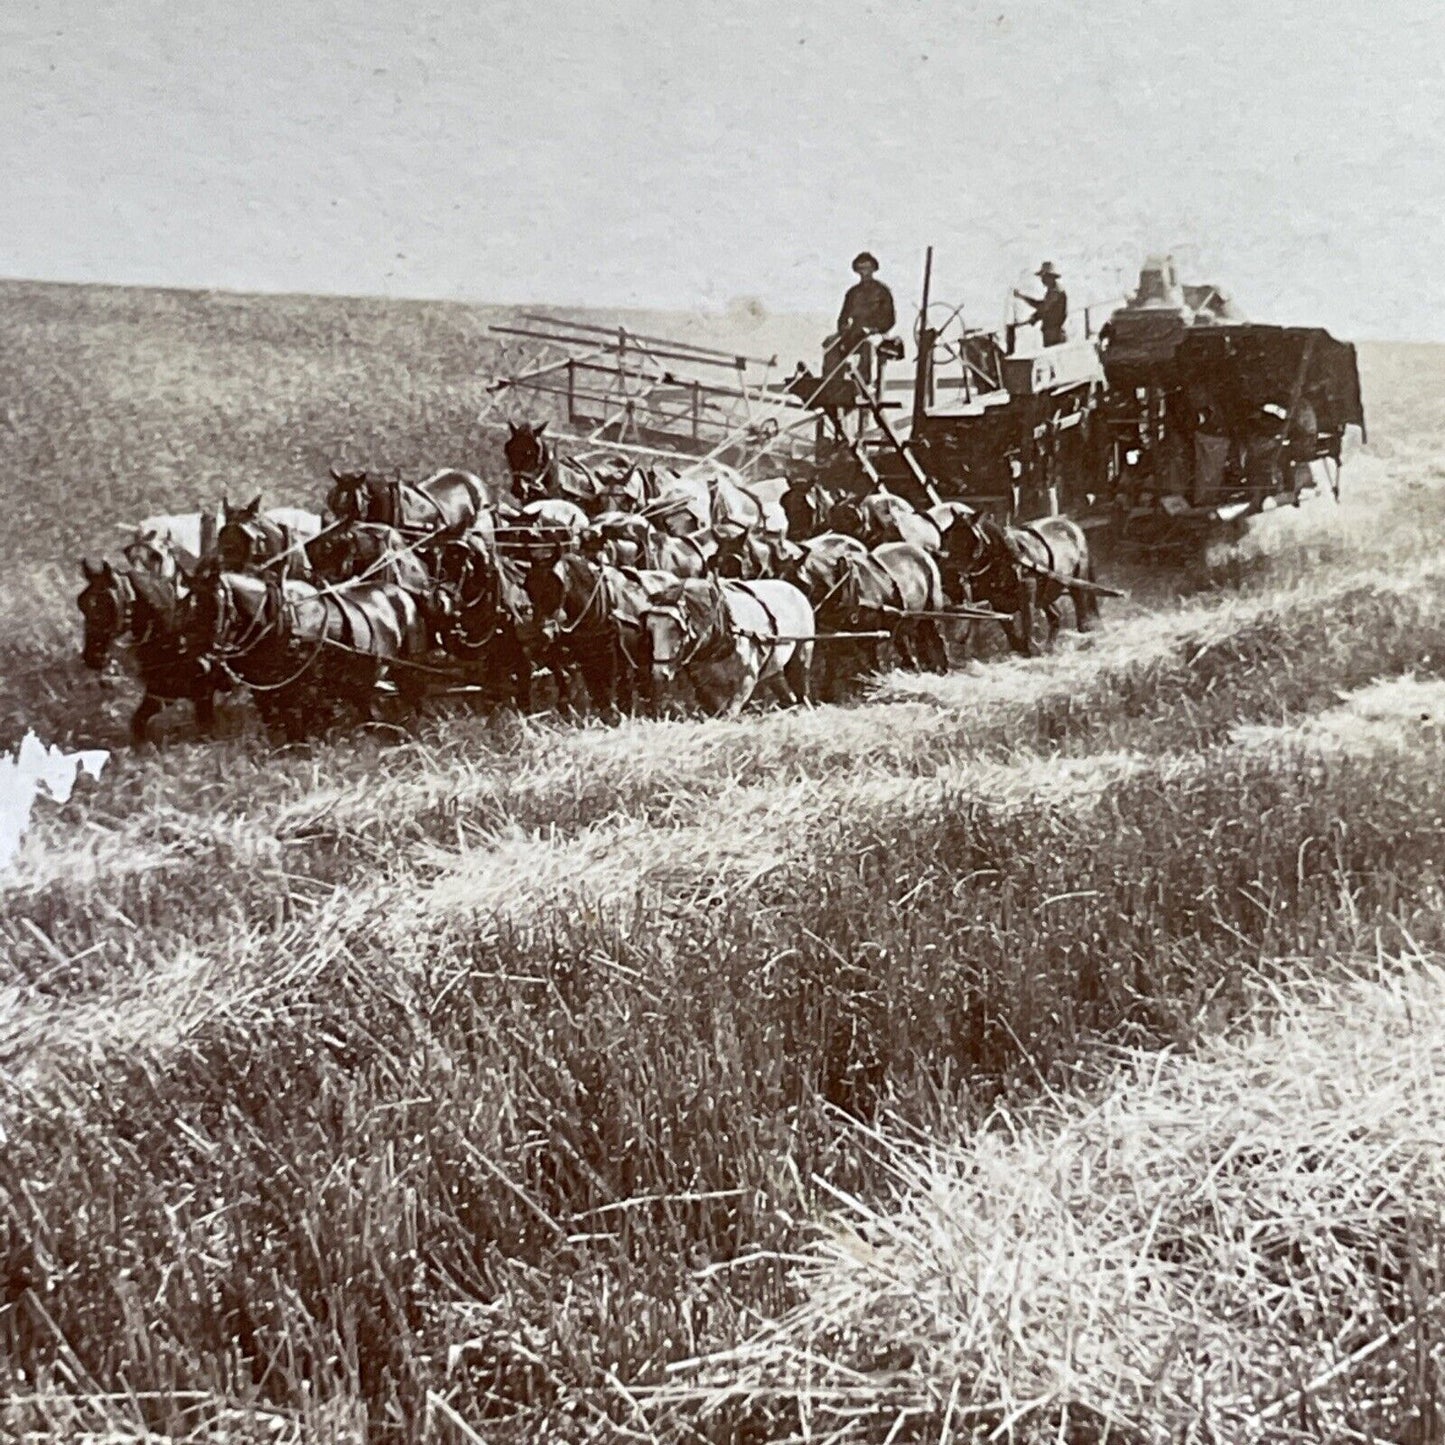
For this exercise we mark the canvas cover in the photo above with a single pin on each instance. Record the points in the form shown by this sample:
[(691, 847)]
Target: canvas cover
[(1252, 366)]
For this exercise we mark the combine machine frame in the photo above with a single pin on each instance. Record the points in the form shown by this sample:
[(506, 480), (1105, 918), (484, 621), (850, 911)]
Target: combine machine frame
[(1107, 428), (1016, 435), (611, 390)]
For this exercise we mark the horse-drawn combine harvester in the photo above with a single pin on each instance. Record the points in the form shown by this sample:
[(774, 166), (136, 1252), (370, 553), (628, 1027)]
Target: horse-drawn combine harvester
[(1167, 422), (679, 510)]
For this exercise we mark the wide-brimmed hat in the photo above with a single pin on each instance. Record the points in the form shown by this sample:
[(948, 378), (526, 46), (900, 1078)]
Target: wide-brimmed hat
[(1046, 270), (865, 258)]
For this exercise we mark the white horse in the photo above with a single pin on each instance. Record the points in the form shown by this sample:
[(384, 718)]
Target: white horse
[(556, 513), (728, 638)]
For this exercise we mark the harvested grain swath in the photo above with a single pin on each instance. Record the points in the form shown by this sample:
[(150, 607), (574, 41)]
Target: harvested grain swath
[(1239, 1245)]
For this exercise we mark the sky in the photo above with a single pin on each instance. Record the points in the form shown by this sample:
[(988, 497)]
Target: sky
[(667, 153)]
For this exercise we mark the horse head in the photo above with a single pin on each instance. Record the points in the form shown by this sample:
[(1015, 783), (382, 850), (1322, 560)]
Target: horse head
[(666, 628), (969, 545), (207, 612), (529, 458), (846, 516), (468, 590), (684, 621), (153, 552), (331, 554), (246, 538), (227, 611), (105, 605), (247, 513), (350, 496), (791, 560), (741, 555), (730, 560), (547, 586), (805, 504)]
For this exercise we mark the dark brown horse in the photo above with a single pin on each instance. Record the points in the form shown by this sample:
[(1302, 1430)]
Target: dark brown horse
[(807, 505), (746, 556), (250, 539), (592, 619), (118, 605), (1025, 572), (447, 503), (489, 619), (303, 650), (613, 484)]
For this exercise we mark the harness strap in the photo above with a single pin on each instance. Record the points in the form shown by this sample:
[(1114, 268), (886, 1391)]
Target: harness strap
[(435, 505), (565, 629), (1044, 543), (767, 612)]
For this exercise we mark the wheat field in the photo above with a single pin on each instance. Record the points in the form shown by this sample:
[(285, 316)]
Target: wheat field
[(1049, 1051)]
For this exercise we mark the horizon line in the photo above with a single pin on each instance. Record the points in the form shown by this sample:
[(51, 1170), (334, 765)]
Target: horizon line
[(699, 309)]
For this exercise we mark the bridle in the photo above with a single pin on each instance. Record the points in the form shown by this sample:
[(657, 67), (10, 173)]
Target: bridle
[(986, 559), (118, 597), (532, 482), (355, 488), (261, 534), (488, 595)]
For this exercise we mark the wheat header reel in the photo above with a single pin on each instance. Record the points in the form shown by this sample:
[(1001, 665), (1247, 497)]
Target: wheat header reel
[(609, 390)]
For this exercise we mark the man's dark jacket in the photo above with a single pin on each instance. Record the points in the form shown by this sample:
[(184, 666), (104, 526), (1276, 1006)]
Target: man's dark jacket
[(868, 306)]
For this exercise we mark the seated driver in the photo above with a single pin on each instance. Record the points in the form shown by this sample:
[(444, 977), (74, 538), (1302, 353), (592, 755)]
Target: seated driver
[(867, 311)]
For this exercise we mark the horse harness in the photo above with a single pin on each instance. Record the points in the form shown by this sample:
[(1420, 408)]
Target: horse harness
[(256, 631), (394, 496), (705, 640), (566, 629), (1043, 542)]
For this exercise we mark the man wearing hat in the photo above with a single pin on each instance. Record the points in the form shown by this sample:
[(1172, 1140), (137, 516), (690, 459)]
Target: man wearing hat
[(867, 309), (868, 306), (1051, 310)]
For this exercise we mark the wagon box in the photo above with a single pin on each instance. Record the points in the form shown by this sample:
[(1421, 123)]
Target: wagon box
[(1243, 369)]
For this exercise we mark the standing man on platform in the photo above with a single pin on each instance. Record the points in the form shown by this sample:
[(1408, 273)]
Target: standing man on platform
[(867, 311), (1051, 310)]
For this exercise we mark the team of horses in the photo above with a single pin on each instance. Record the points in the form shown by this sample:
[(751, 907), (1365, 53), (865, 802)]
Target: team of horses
[(622, 581)]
